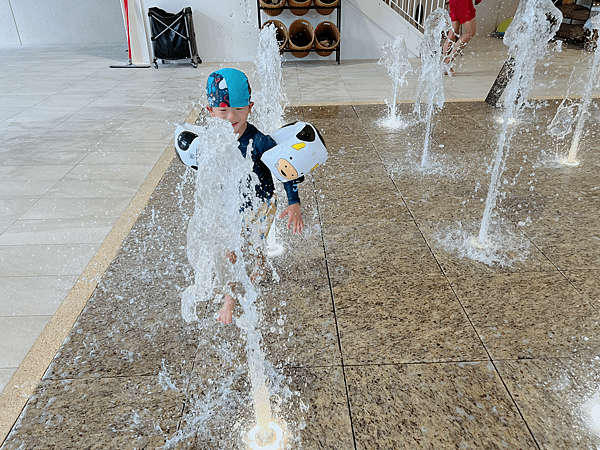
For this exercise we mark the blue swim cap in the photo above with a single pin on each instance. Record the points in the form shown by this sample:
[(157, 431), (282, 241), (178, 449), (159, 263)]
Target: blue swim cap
[(228, 87)]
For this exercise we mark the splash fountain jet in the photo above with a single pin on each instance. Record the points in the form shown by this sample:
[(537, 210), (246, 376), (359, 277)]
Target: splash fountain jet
[(431, 86), (269, 103), (394, 57), (582, 112), (535, 23)]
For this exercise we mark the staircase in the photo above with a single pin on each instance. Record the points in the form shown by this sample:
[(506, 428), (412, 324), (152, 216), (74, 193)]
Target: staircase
[(405, 17)]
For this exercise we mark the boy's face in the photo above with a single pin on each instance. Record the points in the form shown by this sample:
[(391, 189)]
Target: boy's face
[(238, 117)]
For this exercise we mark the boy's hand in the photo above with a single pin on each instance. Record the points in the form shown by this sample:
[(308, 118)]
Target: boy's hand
[(294, 218)]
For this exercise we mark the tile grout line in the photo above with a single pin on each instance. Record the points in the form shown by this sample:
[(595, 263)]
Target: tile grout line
[(22, 384)]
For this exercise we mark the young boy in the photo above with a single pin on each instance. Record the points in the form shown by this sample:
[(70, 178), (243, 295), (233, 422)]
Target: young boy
[(229, 98)]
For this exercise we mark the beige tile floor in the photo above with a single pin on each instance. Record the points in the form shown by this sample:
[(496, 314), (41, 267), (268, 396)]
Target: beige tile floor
[(79, 139)]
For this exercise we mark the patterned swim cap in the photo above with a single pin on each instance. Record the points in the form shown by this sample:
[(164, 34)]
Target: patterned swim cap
[(228, 87)]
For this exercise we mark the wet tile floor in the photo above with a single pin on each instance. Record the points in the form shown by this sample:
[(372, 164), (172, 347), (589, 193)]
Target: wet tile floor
[(377, 333)]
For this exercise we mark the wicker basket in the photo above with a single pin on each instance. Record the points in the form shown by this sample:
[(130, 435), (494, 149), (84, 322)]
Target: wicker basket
[(327, 38), (301, 37), (326, 7), (272, 9), (300, 3), (281, 32)]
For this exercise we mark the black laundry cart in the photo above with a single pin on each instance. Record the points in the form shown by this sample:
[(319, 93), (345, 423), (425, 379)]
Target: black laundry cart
[(173, 35)]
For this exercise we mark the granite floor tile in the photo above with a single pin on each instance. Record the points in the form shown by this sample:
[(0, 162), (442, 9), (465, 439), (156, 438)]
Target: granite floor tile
[(311, 403), (346, 172), (388, 205), (93, 188), (587, 282), (408, 319), (299, 327), (455, 246), (110, 346), (328, 112), (383, 248), (529, 314), (408, 259), (558, 399), (4, 224), (444, 405), (356, 152), (123, 412), (114, 157), (581, 254), (364, 190)]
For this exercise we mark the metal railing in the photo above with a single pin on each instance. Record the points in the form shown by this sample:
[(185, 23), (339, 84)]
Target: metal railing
[(415, 11)]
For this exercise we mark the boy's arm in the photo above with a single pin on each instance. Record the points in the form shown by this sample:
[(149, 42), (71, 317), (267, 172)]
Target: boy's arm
[(291, 189), (293, 210)]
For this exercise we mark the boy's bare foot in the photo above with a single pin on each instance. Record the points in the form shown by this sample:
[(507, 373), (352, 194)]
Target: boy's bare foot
[(226, 312)]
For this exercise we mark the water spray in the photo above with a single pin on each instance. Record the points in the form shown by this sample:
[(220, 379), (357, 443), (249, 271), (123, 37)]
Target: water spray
[(274, 438), (267, 114), (394, 57), (582, 112), (535, 23), (431, 86)]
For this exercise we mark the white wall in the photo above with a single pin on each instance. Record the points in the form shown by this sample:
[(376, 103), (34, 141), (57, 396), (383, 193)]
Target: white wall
[(490, 13), (224, 33), (50, 22), (8, 30)]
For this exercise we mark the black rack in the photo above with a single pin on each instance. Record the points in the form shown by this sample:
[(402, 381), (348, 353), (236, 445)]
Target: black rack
[(173, 35), (338, 8)]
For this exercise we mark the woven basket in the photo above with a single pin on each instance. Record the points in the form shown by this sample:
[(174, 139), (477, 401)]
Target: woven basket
[(326, 31), (273, 9), (301, 3), (301, 37), (281, 32), (325, 7)]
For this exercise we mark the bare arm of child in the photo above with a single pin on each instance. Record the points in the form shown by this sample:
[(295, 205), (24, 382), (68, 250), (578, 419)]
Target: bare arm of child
[(294, 218)]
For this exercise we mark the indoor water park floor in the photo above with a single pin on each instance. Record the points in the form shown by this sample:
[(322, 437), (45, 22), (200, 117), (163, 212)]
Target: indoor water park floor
[(375, 334), (379, 330)]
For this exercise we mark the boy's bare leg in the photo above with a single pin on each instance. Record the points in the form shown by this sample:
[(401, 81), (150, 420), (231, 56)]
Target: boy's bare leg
[(449, 49), (226, 312), (259, 273), (453, 46)]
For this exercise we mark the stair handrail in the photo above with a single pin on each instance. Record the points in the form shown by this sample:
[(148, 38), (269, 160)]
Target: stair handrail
[(415, 11)]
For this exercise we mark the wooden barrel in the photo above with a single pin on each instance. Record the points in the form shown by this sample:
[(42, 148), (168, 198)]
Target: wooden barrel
[(272, 7), (326, 7), (281, 32), (299, 3), (301, 37), (327, 38)]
